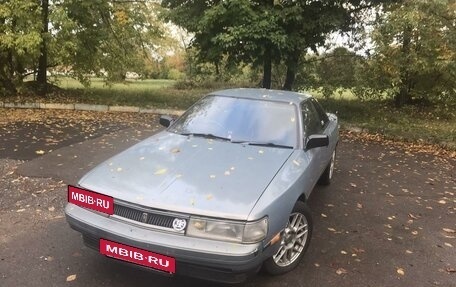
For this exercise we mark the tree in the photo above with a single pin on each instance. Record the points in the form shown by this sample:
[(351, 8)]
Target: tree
[(415, 52), (106, 38), (331, 71), (101, 37), (20, 38), (262, 32)]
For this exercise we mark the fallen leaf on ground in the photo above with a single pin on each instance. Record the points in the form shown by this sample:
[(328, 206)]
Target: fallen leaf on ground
[(449, 230), (341, 271), (448, 244), (451, 270), (71, 278), (412, 216), (331, 229), (400, 271), (39, 152)]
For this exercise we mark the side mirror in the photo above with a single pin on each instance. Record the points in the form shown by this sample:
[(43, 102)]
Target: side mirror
[(314, 141), (166, 121)]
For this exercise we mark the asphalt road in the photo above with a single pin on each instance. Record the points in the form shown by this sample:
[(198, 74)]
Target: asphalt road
[(387, 219)]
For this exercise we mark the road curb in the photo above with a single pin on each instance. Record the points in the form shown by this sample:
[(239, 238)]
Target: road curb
[(89, 107)]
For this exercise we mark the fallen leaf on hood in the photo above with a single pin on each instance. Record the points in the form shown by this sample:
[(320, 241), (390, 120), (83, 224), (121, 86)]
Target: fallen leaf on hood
[(175, 150), (161, 171)]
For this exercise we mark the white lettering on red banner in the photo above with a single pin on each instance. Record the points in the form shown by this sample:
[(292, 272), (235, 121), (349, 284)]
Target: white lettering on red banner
[(138, 256), (92, 200)]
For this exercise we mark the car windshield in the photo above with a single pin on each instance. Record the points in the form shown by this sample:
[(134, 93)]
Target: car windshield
[(241, 120)]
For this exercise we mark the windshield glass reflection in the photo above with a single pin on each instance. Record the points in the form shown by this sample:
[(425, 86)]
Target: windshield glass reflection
[(241, 120)]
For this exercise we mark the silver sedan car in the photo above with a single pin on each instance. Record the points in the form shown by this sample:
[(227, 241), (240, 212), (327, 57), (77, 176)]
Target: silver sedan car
[(220, 193)]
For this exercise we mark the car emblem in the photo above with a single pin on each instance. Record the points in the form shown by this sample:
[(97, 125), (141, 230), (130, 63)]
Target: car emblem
[(144, 217), (179, 224)]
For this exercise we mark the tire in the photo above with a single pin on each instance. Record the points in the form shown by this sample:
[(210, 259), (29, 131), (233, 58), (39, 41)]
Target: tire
[(292, 245), (325, 178)]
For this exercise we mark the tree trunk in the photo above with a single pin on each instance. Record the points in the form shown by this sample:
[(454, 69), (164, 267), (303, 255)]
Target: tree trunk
[(267, 69), (403, 97), (292, 67), (42, 61)]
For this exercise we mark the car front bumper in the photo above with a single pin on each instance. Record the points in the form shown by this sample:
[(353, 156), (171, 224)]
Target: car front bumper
[(200, 258)]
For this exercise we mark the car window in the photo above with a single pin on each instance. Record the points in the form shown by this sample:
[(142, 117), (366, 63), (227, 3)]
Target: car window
[(241, 120), (311, 120), (321, 113)]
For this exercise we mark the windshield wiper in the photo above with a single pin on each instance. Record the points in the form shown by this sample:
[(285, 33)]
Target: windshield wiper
[(267, 144), (206, 135)]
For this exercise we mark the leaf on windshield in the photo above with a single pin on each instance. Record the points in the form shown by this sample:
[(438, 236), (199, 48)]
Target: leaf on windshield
[(261, 151), (296, 162), (227, 172), (175, 150), (292, 120), (142, 158), (161, 171), (250, 158), (212, 176), (209, 196)]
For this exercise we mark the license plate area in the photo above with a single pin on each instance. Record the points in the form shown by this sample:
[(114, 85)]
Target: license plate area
[(138, 256)]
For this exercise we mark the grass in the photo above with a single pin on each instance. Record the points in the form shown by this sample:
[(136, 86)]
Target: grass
[(432, 124)]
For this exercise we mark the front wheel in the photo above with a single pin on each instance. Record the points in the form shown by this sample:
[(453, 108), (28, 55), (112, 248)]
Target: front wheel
[(295, 239)]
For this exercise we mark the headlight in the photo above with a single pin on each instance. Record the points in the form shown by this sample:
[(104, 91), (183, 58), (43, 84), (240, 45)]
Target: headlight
[(232, 231)]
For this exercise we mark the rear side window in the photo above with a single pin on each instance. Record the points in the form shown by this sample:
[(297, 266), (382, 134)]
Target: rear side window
[(321, 113), (311, 120)]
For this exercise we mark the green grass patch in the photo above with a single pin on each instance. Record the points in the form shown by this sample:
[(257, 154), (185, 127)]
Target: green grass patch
[(431, 124)]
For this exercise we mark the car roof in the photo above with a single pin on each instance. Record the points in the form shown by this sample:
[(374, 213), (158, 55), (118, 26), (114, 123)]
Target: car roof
[(264, 94)]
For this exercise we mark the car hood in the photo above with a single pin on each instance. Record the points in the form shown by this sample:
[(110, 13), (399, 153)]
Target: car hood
[(188, 174)]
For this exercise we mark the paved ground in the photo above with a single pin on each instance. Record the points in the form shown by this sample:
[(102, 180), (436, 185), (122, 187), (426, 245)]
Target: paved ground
[(388, 219)]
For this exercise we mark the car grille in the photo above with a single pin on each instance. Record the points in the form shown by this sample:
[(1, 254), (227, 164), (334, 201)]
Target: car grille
[(144, 217)]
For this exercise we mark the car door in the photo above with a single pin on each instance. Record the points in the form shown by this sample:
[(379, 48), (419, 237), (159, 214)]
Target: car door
[(312, 124), (325, 128)]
